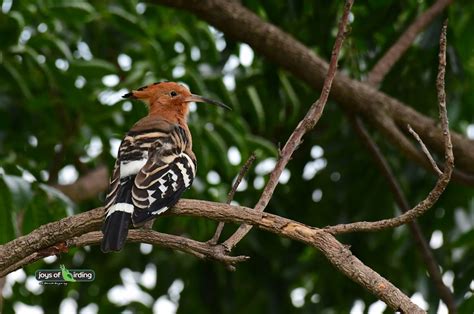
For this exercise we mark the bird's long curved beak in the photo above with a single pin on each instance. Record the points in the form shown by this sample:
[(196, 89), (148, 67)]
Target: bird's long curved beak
[(197, 98)]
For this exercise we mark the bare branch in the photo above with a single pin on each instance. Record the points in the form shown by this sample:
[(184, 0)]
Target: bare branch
[(390, 129), (429, 259), (48, 235), (395, 52), (442, 181), (20, 264), (309, 121), (243, 171), (339, 255), (425, 150), (240, 24), (198, 249)]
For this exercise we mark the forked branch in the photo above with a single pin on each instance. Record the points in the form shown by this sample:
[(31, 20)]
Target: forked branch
[(443, 179), (243, 171), (309, 121)]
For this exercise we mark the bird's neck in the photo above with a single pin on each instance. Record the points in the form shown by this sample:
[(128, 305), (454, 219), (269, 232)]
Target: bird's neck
[(173, 114)]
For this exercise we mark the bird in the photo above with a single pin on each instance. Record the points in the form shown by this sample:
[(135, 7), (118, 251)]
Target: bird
[(155, 162)]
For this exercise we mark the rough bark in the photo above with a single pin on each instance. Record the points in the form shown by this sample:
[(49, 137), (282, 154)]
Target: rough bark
[(73, 228)]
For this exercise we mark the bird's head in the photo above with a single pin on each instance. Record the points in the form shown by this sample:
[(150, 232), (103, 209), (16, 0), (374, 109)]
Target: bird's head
[(168, 97)]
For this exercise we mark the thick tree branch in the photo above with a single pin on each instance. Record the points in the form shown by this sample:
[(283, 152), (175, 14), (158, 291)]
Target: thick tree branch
[(309, 121), (76, 230), (48, 235), (443, 179), (241, 24)]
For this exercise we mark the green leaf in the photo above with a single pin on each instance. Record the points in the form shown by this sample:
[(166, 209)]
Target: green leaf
[(261, 146), (59, 196), (9, 30), (73, 11), (20, 191), (6, 214), (467, 306), (200, 149), (257, 107), (232, 137), (136, 74), (294, 102), (45, 207), (186, 36), (20, 81), (157, 53), (94, 68), (59, 43), (212, 54), (218, 148), (127, 22), (18, 17), (76, 6), (466, 239), (43, 66)]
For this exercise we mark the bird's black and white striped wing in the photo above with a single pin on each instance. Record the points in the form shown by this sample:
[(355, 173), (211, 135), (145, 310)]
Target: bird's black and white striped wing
[(168, 172), (113, 186), (119, 208)]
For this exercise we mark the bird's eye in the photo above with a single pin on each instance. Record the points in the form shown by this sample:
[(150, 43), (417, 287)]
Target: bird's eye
[(173, 94)]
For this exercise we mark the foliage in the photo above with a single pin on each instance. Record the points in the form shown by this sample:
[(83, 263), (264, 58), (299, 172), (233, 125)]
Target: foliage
[(64, 66)]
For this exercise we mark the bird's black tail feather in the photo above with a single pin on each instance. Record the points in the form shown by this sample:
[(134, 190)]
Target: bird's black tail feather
[(115, 230)]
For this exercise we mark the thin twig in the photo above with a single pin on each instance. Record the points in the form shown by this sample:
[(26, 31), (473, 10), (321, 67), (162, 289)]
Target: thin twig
[(442, 181), (429, 259), (198, 249), (243, 171), (425, 150), (309, 121), (390, 130)]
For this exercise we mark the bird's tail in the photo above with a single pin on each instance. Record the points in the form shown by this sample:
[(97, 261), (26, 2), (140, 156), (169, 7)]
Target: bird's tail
[(117, 221), (115, 230)]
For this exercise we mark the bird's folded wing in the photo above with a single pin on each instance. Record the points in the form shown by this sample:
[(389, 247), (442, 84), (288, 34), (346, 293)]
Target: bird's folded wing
[(168, 172), (113, 186)]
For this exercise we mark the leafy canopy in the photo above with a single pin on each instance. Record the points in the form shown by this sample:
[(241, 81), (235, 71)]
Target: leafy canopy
[(64, 66)]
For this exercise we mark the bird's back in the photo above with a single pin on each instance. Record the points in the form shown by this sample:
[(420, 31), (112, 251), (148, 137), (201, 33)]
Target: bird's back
[(155, 165)]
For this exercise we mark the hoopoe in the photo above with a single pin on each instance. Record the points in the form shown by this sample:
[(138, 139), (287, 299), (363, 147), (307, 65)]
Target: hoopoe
[(155, 162)]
